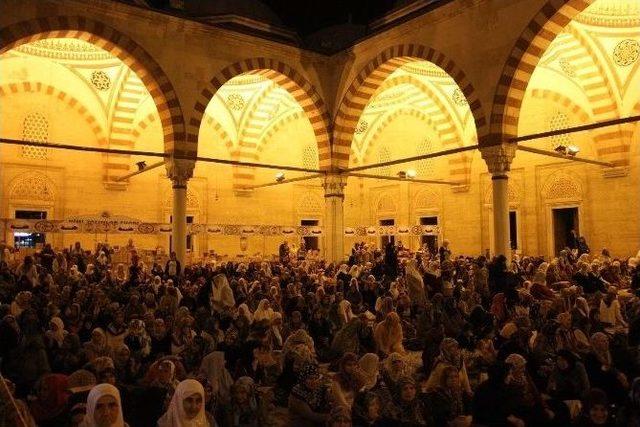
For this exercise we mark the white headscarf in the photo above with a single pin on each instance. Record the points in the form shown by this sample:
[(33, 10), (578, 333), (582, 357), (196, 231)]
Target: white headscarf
[(263, 313), (176, 416), (344, 309), (95, 394), (59, 334), (213, 368), (221, 291), (243, 310)]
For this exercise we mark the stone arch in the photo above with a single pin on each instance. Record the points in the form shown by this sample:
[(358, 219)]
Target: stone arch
[(562, 100), (124, 48), (426, 199), (554, 16), (372, 76), (73, 103), (561, 186), (385, 204), (284, 76), (32, 186)]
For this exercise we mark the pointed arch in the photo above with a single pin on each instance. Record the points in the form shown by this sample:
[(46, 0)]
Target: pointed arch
[(122, 47), (286, 77), (372, 76), (554, 16)]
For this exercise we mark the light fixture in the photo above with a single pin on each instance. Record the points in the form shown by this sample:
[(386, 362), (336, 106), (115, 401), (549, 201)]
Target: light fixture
[(280, 177), (141, 165), (572, 150), (402, 175), (561, 149), (411, 173)]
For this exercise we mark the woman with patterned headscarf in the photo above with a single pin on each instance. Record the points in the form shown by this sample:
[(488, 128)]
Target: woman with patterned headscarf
[(347, 382), (405, 408), (309, 401), (450, 355)]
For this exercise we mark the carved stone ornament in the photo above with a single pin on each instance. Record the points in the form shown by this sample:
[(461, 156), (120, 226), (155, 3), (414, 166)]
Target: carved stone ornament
[(334, 185), (499, 157), (179, 171)]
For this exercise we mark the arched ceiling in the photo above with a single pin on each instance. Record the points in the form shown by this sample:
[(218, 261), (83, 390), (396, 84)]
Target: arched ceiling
[(421, 86)]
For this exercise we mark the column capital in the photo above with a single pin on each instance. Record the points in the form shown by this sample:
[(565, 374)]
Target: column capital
[(334, 185), (179, 171), (499, 157)]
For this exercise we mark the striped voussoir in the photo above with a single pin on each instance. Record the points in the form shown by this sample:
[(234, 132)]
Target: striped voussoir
[(119, 45), (550, 21), (287, 78), (373, 75)]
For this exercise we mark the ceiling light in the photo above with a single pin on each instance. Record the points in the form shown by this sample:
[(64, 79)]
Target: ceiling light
[(280, 177), (141, 165), (560, 149), (572, 150), (411, 173)]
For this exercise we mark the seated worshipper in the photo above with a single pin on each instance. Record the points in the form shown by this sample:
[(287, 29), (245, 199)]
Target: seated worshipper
[(347, 381), (405, 408), (221, 296), (310, 401), (388, 335), (415, 283), (610, 314), (568, 337), (450, 355), (243, 409), (186, 407), (220, 380), (569, 380), (367, 411), (394, 367), (448, 402), (48, 407), (369, 367), (595, 411), (344, 312), (103, 407), (527, 400), (602, 371), (97, 346)]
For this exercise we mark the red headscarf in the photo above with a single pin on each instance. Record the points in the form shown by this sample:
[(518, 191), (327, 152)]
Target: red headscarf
[(52, 397)]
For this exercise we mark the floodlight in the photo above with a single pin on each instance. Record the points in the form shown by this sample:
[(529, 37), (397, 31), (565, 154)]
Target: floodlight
[(402, 175), (411, 173), (560, 149), (141, 165), (280, 177)]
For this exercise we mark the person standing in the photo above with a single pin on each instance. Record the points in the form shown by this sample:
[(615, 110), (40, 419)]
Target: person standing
[(444, 252)]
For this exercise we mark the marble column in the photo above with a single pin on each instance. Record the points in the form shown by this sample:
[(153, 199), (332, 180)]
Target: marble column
[(334, 217), (498, 159), (179, 219)]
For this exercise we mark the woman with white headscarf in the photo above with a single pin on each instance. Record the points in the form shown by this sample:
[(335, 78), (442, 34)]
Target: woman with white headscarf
[(243, 310), (415, 283), (56, 331), (187, 407), (264, 311), (345, 312), (103, 407), (213, 367), (221, 295)]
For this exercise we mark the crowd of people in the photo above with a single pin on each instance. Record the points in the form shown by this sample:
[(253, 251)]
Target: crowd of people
[(390, 337)]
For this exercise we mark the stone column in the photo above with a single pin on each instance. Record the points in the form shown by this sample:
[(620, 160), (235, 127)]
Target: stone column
[(334, 217), (179, 171), (498, 159), (179, 219)]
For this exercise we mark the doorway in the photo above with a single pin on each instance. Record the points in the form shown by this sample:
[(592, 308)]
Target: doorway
[(384, 240), (310, 242), (189, 236), (29, 240), (431, 240), (513, 229), (564, 220)]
